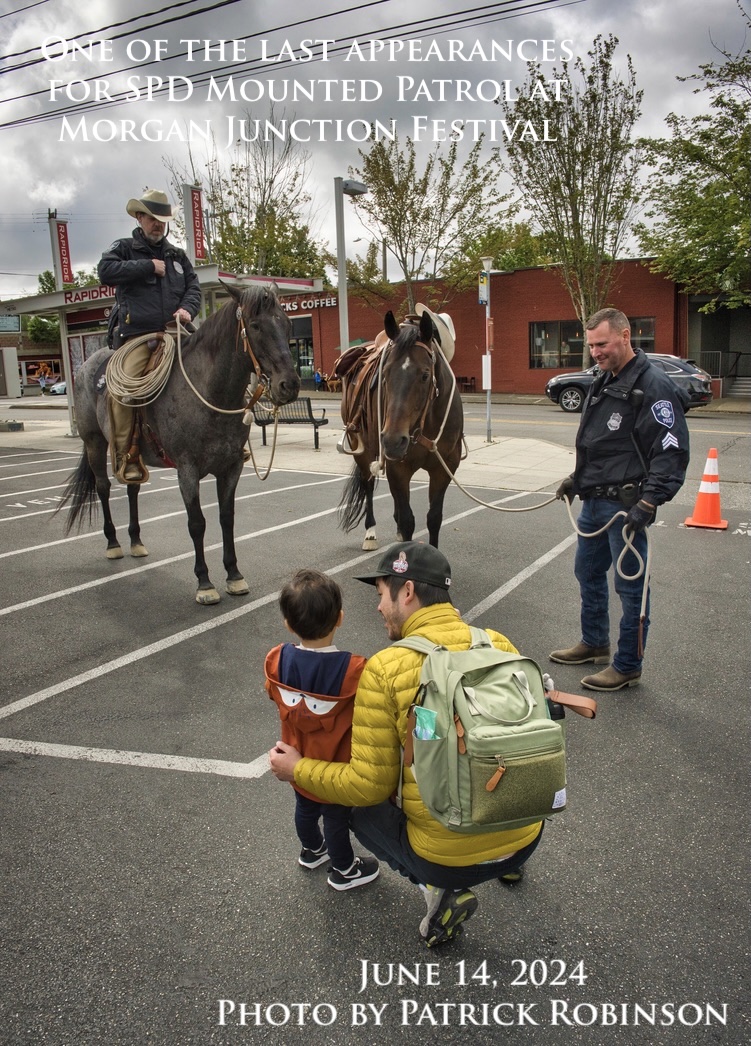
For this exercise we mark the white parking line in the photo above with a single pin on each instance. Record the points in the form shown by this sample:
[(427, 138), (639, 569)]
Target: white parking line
[(218, 766), (148, 759)]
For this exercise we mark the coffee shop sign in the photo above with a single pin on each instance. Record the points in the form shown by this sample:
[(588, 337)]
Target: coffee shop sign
[(309, 303)]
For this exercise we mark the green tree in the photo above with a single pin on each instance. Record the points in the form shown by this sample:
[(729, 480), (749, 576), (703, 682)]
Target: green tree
[(42, 328), (699, 200), (259, 210), (511, 245), (425, 214), (581, 188)]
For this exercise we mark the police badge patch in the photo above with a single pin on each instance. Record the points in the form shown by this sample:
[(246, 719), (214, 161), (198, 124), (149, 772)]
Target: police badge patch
[(663, 413), (614, 421)]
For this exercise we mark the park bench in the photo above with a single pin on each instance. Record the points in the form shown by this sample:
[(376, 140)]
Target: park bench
[(299, 412)]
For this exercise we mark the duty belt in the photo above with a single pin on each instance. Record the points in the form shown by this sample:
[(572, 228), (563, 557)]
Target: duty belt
[(626, 493), (611, 493)]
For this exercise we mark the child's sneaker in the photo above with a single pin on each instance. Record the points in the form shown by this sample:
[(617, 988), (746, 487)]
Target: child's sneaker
[(362, 870), (446, 922), (313, 858)]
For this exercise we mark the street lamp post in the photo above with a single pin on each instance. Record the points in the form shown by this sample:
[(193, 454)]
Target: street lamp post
[(487, 267), (343, 187)]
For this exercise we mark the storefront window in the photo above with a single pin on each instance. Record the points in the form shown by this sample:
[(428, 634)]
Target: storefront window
[(560, 343), (556, 343), (301, 346)]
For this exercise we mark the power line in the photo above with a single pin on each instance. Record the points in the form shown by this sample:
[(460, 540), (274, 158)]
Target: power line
[(119, 36), (20, 10), (475, 16)]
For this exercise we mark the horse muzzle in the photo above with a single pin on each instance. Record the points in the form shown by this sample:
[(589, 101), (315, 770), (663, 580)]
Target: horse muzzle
[(395, 447)]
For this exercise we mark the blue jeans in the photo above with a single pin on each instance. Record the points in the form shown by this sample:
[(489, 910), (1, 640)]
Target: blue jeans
[(382, 829), (594, 557), (308, 813)]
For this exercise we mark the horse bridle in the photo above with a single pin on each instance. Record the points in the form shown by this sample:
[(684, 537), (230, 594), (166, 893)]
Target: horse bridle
[(417, 436), (261, 379)]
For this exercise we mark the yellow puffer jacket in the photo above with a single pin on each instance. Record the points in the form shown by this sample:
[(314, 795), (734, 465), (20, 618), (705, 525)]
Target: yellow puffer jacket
[(379, 726)]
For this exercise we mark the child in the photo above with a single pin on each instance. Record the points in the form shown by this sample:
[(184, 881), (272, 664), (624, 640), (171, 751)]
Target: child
[(314, 685)]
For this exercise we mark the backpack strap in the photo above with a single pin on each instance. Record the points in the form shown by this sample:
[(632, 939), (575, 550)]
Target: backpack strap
[(585, 706)]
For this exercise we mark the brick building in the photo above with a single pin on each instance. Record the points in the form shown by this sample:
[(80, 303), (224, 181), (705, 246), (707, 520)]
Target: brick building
[(536, 332)]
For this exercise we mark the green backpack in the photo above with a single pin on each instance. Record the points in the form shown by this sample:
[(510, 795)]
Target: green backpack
[(497, 760)]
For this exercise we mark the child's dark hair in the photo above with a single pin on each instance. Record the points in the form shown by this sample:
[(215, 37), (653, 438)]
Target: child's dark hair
[(310, 604)]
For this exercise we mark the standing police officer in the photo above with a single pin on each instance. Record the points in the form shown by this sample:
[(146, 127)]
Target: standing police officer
[(632, 451)]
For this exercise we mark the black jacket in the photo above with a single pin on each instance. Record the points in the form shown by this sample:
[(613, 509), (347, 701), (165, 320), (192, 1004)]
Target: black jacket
[(147, 302), (633, 429)]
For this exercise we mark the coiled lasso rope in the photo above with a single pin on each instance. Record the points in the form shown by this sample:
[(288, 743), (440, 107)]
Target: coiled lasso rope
[(139, 390)]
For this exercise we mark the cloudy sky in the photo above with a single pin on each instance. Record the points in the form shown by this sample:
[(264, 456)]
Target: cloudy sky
[(47, 164)]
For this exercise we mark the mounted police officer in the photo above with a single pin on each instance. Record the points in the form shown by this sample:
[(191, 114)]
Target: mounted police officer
[(155, 283), (632, 451)]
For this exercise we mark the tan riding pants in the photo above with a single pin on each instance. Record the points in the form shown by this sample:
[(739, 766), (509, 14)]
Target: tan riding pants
[(121, 416)]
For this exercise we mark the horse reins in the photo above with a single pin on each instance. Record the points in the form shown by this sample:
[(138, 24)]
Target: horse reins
[(257, 387), (417, 435)]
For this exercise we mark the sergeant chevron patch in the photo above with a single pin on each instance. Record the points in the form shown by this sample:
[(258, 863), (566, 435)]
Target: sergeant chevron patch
[(669, 440)]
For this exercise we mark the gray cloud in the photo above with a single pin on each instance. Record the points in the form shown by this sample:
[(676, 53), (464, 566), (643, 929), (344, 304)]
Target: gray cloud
[(90, 182)]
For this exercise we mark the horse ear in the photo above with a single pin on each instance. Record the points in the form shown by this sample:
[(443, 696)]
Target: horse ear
[(426, 328), (234, 292), (391, 326)]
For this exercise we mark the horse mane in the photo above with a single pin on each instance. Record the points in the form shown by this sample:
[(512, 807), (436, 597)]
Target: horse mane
[(221, 325)]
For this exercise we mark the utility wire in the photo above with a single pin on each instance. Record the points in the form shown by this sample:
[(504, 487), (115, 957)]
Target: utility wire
[(221, 73)]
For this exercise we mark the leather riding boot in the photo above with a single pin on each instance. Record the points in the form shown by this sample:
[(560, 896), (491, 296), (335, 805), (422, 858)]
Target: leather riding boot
[(581, 654), (611, 679)]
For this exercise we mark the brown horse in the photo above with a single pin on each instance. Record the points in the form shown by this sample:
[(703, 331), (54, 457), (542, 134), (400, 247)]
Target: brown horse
[(406, 408)]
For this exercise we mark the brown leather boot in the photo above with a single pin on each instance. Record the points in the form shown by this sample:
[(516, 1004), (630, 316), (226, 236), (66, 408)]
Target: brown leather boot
[(611, 679), (581, 654)]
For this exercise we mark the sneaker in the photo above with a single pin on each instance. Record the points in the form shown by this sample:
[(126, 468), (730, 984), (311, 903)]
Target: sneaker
[(447, 922), (611, 679), (511, 878), (580, 654), (362, 870), (433, 897), (313, 858)]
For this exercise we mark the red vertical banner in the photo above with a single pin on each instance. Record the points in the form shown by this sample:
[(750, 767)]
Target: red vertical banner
[(195, 232), (63, 252)]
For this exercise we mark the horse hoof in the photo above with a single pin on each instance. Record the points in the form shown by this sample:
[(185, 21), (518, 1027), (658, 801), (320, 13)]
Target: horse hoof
[(115, 552), (370, 544), (138, 551), (238, 587), (207, 596)]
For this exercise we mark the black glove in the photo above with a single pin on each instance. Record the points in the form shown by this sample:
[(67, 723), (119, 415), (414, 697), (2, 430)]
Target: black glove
[(639, 516), (566, 489)]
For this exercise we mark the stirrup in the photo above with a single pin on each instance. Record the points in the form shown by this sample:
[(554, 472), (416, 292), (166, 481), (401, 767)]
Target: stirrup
[(136, 463), (344, 445)]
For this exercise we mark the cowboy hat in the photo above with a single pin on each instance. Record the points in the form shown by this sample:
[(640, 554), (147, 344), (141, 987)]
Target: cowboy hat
[(444, 328), (154, 203)]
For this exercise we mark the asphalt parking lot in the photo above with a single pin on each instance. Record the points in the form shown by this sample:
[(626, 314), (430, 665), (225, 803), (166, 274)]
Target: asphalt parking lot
[(151, 891)]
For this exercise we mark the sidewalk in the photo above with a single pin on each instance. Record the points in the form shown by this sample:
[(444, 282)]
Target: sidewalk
[(506, 463)]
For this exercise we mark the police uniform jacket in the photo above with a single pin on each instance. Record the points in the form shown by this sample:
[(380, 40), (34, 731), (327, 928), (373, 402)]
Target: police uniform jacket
[(147, 302), (633, 430), (379, 729)]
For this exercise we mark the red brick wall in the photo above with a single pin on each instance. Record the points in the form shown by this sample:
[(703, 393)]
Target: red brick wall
[(517, 299)]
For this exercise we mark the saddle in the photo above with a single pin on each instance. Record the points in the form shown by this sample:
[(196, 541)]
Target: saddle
[(130, 371), (357, 368)]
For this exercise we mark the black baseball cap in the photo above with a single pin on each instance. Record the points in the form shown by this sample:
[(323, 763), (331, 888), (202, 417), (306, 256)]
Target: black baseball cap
[(413, 561)]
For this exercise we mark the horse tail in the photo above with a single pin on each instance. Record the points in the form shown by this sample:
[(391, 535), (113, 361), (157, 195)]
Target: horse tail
[(353, 505), (80, 492)]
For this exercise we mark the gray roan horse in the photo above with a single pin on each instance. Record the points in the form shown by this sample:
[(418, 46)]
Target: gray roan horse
[(419, 405), (248, 334)]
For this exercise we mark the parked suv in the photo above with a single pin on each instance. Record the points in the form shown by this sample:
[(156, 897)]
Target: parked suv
[(570, 390)]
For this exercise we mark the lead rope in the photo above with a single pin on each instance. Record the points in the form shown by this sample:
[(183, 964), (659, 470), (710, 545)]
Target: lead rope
[(257, 388), (643, 567)]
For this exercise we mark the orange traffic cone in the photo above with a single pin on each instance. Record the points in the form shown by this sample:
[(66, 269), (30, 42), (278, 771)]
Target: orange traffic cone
[(707, 507)]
